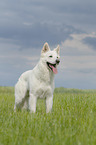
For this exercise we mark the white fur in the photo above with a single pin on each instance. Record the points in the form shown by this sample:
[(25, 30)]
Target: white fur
[(37, 83)]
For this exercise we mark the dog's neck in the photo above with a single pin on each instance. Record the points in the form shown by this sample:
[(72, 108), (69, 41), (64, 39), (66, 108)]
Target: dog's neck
[(44, 73)]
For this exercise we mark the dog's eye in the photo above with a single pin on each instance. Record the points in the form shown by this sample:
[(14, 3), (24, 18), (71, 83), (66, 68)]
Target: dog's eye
[(50, 56)]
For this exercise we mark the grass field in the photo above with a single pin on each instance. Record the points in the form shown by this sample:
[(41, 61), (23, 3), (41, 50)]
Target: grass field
[(72, 121)]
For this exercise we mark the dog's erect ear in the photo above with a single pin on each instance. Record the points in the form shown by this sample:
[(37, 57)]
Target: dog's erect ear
[(45, 48), (57, 49)]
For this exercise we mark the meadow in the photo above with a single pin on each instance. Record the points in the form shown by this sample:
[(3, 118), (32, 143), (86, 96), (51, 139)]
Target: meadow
[(72, 121)]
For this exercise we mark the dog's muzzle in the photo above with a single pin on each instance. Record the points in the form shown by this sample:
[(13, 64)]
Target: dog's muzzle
[(57, 61)]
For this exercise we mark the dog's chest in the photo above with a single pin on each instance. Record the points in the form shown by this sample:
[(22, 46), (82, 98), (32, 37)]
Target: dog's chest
[(40, 93), (43, 92)]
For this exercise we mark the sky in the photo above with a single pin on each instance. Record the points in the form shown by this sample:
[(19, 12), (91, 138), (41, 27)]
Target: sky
[(25, 25)]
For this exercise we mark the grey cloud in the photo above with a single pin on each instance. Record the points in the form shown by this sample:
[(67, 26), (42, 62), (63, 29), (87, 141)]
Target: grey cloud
[(35, 35), (80, 7), (68, 12), (90, 41), (86, 71)]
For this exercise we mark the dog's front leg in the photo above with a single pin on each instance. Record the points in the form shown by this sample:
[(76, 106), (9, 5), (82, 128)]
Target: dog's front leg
[(32, 103), (49, 103)]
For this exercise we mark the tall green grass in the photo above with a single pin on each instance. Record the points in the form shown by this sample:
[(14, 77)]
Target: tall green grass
[(72, 121)]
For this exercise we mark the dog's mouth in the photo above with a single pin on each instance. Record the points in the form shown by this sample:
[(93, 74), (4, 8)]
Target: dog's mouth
[(52, 67)]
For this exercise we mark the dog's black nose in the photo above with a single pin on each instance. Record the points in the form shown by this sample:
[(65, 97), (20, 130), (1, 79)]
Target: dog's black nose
[(57, 61)]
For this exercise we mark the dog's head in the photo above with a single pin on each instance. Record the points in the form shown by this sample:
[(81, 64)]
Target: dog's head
[(50, 58)]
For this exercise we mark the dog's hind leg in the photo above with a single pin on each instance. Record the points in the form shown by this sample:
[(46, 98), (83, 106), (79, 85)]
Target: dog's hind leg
[(26, 101), (20, 94)]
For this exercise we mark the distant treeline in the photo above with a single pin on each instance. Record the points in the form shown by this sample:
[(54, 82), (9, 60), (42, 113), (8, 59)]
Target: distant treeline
[(57, 90), (76, 91)]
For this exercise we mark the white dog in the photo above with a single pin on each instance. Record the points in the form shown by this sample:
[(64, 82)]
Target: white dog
[(39, 82)]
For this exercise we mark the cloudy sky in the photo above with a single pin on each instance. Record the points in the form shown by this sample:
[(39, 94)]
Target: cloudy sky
[(25, 25)]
